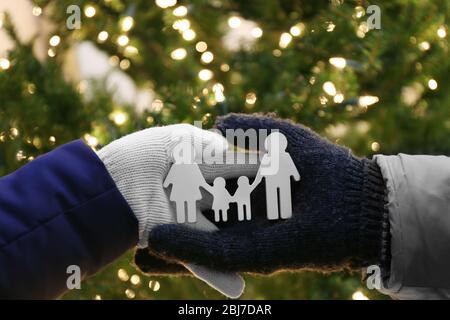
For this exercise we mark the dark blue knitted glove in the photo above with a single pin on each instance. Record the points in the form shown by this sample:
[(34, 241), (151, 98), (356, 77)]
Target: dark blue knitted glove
[(339, 217), (157, 266)]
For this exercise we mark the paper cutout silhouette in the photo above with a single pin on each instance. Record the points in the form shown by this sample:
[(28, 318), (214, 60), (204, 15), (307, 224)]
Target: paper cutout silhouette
[(242, 198), (277, 168), (186, 179), (278, 185), (222, 199)]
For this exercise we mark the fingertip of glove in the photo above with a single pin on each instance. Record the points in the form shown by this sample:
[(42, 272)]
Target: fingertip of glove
[(254, 120), (241, 120), (162, 233)]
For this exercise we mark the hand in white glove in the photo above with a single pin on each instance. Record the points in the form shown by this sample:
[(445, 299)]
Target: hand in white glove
[(139, 163)]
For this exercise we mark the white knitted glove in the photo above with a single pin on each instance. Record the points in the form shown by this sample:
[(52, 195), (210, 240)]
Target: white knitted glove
[(139, 163)]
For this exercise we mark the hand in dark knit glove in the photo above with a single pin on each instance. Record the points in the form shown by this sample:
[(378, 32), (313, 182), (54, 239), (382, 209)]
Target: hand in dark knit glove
[(339, 219)]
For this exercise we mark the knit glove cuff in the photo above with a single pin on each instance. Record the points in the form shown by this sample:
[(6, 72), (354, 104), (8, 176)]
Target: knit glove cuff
[(366, 196), (137, 163)]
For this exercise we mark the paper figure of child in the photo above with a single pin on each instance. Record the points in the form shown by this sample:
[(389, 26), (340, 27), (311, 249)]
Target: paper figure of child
[(242, 198), (221, 201), (186, 179), (277, 168)]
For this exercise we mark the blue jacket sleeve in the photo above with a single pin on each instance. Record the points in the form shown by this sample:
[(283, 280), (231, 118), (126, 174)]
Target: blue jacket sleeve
[(61, 209)]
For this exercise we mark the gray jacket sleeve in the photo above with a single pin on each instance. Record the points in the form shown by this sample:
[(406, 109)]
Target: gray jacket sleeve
[(419, 215)]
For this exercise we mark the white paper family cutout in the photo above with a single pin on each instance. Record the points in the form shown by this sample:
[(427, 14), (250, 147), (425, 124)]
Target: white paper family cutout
[(276, 168)]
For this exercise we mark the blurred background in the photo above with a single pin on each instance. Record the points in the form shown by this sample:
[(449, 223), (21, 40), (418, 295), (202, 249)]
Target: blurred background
[(97, 70)]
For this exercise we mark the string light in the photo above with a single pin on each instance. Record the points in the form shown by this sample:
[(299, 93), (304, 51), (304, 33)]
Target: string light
[(165, 3), (127, 23), (363, 28), (20, 155), (234, 22), (365, 101), (359, 12), (432, 84), (89, 11), (257, 32), (277, 53), (180, 11), (98, 297), (102, 36), (297, 30), (178, 54), (375, 146), (122, 40), (91, 140), (150, 120), (131, 51), (207, 57), (122, 275), (189, 35), (135, 279), (14, 132), (54, 41), (130, 294), (218, 90), (424, 46), (37, 142), (157, 105), (329, 88), (323, 100), (51, 53), (330, 26), (338, 62), (338, 98), (181, 25), (154, 285), (114, 61), (4, 64), (358, 295), (224, 67), (124, 64), (31, 88), (250, 98), (337, 131), (201, 46), (285, 39), (442, 32), (36, 11), (205, 74), (363, 127)]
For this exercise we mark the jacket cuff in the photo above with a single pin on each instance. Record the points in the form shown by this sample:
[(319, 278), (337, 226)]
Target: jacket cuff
[(418, 188), (107, 216)]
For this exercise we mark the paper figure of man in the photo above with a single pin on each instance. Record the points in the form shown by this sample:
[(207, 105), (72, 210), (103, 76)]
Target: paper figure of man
[(186, 179), (277, 168), (242, 198)]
